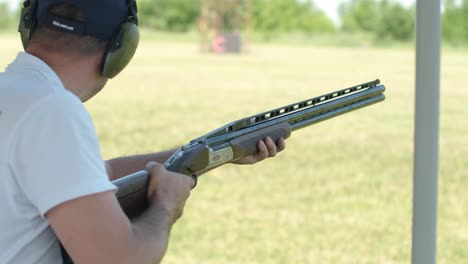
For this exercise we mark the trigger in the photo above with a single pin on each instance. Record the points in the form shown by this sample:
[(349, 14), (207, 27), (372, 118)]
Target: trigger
[(195, 181)]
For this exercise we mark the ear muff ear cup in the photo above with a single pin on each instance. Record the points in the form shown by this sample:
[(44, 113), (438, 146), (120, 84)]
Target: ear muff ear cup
[(27, 21), (121, 50)]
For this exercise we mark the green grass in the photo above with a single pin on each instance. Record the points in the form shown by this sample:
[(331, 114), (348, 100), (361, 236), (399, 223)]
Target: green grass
[(340, 193)]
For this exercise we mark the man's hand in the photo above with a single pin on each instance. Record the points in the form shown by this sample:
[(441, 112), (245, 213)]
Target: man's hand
[(266, 149), (168, 190)]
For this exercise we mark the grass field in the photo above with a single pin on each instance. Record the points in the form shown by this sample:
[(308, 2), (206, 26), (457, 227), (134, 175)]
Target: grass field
[(340, 193)]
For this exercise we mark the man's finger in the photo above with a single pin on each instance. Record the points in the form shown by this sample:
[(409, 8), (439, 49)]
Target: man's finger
[(262, 151), (271, 147), (280, 144), (150, 165), (153, 170)]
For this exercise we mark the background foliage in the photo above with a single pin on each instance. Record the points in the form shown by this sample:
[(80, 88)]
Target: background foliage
[(169, 15), (280, 16), (385, 19), (8, 19), (378, 19), (455, 22)]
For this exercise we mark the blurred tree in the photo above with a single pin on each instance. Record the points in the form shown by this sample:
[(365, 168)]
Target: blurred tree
[(464, 9), (267, 16), (359, 15), (169, 15), (396, 22), (226, 15), (278, 16), (5, 17), (385, 19), (455, 22), (217, 17)]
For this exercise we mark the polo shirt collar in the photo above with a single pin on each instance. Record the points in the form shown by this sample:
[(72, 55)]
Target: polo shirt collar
[(26, 61)]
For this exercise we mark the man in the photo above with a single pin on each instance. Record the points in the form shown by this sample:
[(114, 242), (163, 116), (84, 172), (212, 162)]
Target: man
[(54, 185)]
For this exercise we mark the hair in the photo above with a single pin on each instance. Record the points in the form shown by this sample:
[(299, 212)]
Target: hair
[(48, 38)]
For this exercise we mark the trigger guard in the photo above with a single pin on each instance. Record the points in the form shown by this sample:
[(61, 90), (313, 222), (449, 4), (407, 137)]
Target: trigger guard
[(195, 180)]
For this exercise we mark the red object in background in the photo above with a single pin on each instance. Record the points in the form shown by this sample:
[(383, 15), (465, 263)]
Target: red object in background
[(218, 44), (226, 42)]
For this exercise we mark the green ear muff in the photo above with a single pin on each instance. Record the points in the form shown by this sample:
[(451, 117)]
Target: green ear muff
[(27, 21), (121, 50)]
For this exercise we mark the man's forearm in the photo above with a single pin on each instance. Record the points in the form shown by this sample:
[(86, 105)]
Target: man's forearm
[(151, 231), (122, 166), (168, 192)]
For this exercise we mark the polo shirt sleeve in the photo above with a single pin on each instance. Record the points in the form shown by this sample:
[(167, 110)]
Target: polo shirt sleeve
[(57, 156)]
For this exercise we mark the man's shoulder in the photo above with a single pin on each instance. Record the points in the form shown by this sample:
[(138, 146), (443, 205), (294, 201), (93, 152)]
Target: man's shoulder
[(22, 93), (27, 81), (27, 101), (33, 101)]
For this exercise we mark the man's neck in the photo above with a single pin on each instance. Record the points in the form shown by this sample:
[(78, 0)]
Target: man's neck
[(77, 73)]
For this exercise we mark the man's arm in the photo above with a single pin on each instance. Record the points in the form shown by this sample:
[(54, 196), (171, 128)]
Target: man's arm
[(94, 229), (123, 166)]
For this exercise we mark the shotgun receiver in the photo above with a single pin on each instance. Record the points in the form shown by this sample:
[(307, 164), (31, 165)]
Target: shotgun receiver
[(239, 139)]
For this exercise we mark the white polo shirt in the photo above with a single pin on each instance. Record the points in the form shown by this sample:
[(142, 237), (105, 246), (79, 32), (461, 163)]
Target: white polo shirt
[(49, 154)]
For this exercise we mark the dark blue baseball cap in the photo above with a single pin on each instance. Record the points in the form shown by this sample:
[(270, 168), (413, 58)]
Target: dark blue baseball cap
[(102, 17)]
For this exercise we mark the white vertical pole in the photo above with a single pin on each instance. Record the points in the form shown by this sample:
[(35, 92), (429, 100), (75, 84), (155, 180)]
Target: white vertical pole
[(426, 135)]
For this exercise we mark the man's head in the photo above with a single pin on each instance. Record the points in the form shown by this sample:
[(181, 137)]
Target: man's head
[(104, 29)]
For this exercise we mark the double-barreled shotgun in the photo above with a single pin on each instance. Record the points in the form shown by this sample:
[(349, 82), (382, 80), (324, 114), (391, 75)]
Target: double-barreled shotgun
[(240, 138)]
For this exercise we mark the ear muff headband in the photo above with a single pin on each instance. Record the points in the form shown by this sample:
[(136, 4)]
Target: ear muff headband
[(121, 47)]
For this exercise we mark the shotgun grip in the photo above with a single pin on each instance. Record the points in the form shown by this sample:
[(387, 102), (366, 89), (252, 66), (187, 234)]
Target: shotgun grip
[(247, 144), (132, 193)]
